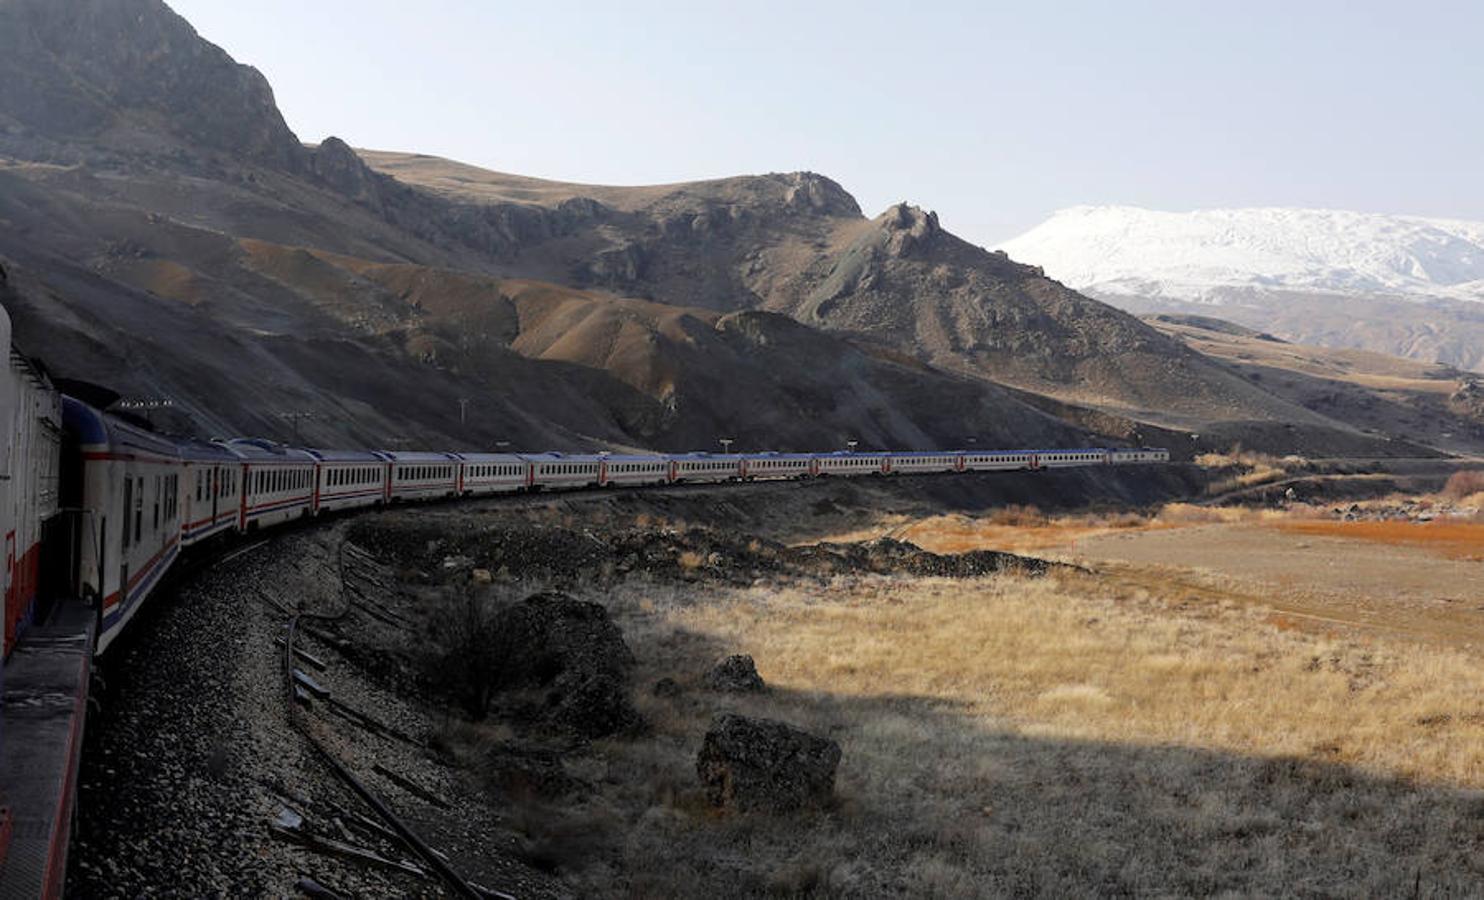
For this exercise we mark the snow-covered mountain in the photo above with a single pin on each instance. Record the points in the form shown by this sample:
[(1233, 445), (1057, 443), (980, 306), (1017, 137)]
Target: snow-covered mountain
[(1200, 256)]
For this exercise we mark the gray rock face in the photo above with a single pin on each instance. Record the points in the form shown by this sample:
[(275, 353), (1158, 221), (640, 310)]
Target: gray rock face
[(760, 764), (735, 674), (133, 76)]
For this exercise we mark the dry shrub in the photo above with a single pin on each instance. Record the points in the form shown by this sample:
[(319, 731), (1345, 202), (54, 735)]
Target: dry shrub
[(1015, 515), (690, 560), (464, 656), (1462, 485)]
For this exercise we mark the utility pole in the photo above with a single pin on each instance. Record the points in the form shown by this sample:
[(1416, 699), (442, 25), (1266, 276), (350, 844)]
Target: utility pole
[(463, 405), (726, 445), (295, 416)]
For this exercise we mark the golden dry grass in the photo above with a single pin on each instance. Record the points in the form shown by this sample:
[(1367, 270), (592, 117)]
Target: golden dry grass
[(1074, 658), (1065, 735)]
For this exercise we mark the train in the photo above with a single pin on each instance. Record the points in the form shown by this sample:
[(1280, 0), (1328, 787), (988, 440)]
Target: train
[(97, 506), (135, 499)]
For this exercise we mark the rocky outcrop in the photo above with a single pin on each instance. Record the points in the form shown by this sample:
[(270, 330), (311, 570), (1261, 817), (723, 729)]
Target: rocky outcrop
[(551, 634), (735, 675), (573, 652), (88, 78), (761, 764)]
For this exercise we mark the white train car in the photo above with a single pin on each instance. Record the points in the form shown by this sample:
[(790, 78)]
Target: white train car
[(1066, 459), (130, 493), (633, 470), (1125, 455), (348, 479), (999, 461), (492, 473), (277, 483), (422, 476), (700, 468), (846, 464), (559, 471), (920, 463), (30, 461), (770, 466), (211, 490)]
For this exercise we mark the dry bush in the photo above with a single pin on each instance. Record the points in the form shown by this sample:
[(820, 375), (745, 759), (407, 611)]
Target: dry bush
[(1253, 468), (1462, 485), (1018, 516)]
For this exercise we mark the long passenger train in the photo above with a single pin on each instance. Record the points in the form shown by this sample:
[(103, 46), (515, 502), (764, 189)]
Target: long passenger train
[(133, 499)]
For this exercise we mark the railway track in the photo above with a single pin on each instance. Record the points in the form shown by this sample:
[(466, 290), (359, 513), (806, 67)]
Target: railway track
[(296, 700)]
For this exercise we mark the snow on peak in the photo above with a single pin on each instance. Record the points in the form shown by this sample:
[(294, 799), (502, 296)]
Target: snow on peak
[(1132, 251)]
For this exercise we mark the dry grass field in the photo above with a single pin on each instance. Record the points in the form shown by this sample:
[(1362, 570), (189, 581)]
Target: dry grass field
[(1068, 735), (1212, 701)]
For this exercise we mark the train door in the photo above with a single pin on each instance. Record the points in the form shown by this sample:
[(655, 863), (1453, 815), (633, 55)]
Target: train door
[(12, 610), (124, 540)]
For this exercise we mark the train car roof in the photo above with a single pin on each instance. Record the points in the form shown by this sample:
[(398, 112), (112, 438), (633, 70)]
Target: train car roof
[(413, 456), (635, 457), (264, 450), (774, 454), (561, 457), (362, 456), (97, 429), (489, 457), (207, 451)]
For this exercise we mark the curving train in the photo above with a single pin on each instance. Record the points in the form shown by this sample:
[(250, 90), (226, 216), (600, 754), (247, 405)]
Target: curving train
[(100, 507)]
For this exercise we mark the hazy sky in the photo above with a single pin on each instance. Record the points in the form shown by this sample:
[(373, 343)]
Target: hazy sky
[(993, 114)]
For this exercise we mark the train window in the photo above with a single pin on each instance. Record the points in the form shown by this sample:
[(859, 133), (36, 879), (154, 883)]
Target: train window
[(156, 505)]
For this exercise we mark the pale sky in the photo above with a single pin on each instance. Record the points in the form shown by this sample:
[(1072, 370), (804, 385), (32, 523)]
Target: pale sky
[(994, 114)]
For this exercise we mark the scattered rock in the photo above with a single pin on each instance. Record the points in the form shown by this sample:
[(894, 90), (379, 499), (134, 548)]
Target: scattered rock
[(761, 764), (736, 675), (481, 576)]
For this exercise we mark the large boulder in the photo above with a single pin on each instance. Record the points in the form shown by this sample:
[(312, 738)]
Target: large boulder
[(551, 634), (761, 764), (735, 674), (573, 651)]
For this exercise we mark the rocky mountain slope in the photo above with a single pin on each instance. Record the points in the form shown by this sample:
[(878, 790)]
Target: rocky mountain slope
[(166, 234), (1405, 285)]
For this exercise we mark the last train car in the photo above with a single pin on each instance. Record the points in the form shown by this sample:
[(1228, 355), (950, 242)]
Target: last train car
[(129, 493)]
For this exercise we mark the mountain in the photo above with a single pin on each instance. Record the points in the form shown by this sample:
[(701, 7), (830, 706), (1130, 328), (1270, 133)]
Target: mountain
[(1403, 285), (1126, 250), (798, 244), (164, 232)]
